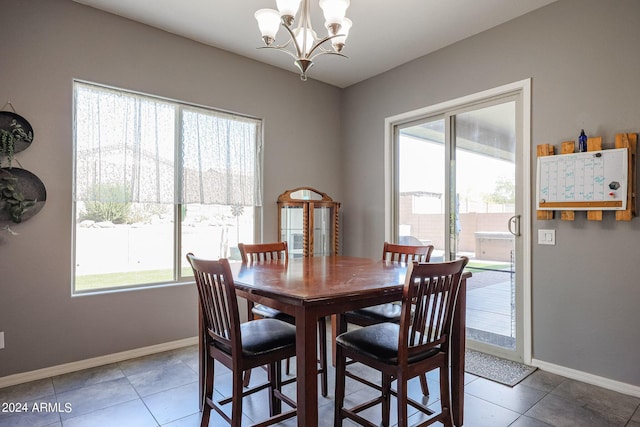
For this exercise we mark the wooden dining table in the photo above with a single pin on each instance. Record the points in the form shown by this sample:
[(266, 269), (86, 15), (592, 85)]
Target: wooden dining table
[(312, 288)]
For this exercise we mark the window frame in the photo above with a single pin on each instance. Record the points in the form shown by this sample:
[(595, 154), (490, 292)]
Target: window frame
[(177, 208)]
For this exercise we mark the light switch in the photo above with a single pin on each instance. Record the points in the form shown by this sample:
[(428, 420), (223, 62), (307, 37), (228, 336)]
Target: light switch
[(546, 237)]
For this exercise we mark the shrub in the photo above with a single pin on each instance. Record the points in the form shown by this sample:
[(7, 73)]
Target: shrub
[(105, 204)]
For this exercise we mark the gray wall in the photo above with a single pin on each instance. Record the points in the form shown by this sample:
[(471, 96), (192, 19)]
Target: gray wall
[(47, 43), (582, 56)]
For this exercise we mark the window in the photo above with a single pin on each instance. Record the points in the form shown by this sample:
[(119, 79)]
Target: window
[(154, 180)]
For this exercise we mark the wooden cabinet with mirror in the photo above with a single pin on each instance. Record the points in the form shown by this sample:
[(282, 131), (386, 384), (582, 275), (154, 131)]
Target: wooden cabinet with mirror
[(308, 222)]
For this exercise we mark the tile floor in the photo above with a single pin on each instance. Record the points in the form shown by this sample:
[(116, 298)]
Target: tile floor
[(162, 389)]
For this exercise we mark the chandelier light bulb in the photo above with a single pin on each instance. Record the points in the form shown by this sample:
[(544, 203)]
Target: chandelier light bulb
[(339, 41), (268, 22), (288, 10), (334, 13), (306, 38)]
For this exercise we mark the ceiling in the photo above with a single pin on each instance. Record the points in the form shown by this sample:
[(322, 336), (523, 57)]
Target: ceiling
[(385, 34)]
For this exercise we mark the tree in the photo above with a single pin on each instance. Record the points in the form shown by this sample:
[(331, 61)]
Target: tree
[(503, 193)]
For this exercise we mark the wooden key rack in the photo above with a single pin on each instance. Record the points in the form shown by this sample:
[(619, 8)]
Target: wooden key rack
[(567, 209)]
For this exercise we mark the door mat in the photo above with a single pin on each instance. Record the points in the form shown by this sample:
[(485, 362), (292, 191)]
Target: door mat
[(496, 369)]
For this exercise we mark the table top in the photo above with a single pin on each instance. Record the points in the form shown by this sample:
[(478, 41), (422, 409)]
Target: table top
[(316, 279)]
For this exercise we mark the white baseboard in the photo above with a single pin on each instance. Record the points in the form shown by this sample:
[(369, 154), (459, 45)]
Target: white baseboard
[(603, 382), (66, 368)]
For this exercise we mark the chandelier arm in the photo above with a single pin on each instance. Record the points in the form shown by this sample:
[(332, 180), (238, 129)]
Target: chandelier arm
[(280, 46), (319, 45), (292, 39), (327, 52), (281, 49)]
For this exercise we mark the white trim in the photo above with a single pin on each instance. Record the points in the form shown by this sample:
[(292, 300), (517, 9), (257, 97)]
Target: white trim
[(66, 368), (389, 174), (522, 87), (628, 389), (527, 301)]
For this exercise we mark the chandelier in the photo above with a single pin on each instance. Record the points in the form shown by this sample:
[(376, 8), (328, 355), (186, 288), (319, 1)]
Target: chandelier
[(304, 45)]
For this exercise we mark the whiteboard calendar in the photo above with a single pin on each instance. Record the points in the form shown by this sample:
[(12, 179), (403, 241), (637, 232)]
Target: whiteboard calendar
[(595, 180)]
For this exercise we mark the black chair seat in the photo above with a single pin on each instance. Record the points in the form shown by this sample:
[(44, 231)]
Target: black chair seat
[(379, 342), (379, 313), (265, 312), (263, 336)]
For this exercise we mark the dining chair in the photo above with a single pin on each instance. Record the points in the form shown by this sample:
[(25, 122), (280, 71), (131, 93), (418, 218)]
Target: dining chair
[(278, 252), (401, 351), (239, 346), (263, 252), (390, 312)]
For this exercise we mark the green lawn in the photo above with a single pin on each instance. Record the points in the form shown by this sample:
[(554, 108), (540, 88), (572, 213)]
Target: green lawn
[(122, 279), (477, 266)]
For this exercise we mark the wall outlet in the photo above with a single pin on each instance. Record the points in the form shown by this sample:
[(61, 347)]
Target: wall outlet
[(1, 340)]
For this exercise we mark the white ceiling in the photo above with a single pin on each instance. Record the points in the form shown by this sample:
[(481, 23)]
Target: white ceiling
[(385, 34)]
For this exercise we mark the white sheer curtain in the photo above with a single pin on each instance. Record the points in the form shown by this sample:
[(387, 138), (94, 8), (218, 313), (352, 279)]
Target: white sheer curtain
[(220, 165), (134, 148)]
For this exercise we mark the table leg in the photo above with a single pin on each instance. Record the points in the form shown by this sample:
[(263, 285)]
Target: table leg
[(307, 368), (338, 326), (457, 358), (334, 334)]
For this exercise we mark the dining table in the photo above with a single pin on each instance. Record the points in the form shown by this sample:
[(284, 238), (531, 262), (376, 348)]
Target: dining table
[(315, 287)]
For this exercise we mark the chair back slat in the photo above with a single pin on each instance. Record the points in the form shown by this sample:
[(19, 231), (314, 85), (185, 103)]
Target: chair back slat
[(218, 301), (432, 289), (220, 324), (263, 252), (406, 253)]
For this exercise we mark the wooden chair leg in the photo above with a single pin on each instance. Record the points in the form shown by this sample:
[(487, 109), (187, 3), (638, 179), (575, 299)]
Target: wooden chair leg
[(322, 335), (236, 402), (275, 372), (247, 378), (445, 397), (208, 391), (402, 398), (423, 385), (386, 399), (340, 386), (206, 416)]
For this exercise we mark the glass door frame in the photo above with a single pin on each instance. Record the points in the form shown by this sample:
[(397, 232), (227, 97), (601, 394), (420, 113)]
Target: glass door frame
[(521, 92)]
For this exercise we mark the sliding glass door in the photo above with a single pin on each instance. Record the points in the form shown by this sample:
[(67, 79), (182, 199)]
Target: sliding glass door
[(457, 182), (485, 170)]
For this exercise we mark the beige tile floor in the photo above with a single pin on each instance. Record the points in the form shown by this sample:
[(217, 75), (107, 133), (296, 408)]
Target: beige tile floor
[(162, 390)]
